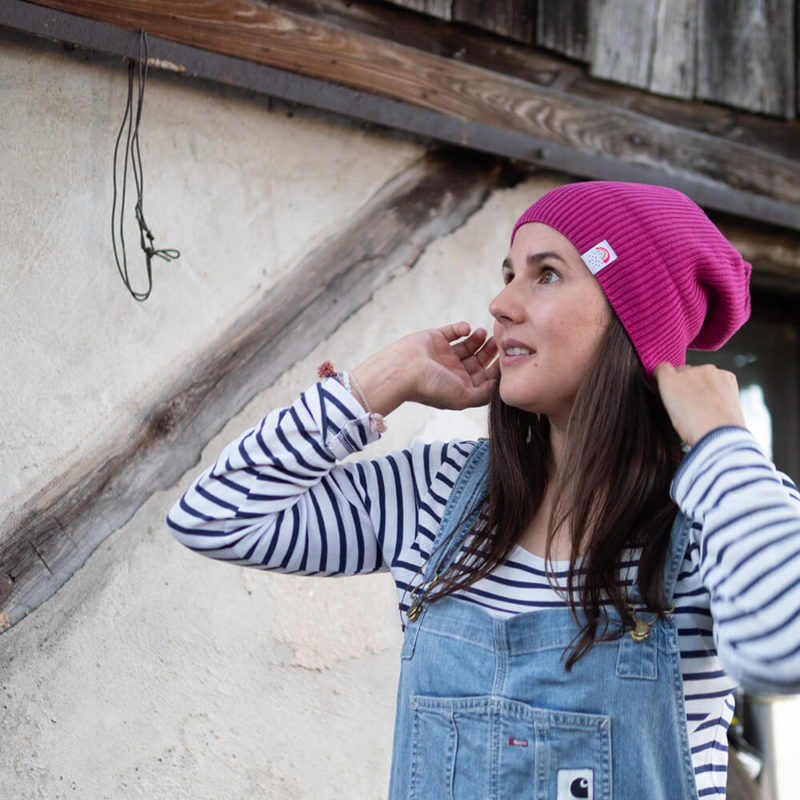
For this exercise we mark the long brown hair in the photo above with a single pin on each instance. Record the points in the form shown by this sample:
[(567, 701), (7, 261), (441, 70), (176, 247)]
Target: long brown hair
[(611, 491)]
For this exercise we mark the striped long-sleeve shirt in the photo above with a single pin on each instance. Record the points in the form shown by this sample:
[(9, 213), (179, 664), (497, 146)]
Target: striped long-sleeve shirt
[(277, 498)]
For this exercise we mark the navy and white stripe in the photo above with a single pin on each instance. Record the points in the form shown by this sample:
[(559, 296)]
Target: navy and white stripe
[(748, 556), (278, 499)]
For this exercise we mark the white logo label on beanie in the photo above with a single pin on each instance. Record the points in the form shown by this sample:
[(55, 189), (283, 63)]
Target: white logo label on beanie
[(599, 256)]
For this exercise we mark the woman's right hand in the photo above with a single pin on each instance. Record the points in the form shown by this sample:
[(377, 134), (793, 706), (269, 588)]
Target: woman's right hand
[(446, 367)]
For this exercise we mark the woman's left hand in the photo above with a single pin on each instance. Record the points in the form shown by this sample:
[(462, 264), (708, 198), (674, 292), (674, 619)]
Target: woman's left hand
[(698, 399)]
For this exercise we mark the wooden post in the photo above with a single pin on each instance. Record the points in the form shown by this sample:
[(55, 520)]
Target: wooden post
[(42, 546)]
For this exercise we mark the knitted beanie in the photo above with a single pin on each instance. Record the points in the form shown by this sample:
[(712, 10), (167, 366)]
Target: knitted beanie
[(672, 278)]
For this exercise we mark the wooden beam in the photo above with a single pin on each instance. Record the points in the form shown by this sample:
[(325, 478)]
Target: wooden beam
[(458, 102), (463, 43), (756, 132), (774, 253), (62, 525), (540, 68)]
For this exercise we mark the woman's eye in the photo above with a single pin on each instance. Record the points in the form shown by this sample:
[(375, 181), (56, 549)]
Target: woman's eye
[(507, 277), (549, 275)]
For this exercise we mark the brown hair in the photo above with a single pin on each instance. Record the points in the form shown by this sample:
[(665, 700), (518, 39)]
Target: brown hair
[(611, 492)]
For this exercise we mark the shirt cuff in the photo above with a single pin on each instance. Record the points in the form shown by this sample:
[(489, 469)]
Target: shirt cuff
[(351, 418), (703, 455)]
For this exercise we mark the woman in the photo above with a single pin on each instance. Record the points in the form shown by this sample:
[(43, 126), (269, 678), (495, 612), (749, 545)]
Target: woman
[(571, 629)]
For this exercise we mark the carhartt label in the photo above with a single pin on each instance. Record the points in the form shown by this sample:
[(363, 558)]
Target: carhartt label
[(575, 783), (599, 256), (517, 742)]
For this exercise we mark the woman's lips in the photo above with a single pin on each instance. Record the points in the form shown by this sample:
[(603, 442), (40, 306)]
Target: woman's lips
[(514, 353), (509, 361)]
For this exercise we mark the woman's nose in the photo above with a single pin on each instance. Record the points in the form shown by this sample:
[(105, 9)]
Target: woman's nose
[(505, 305)]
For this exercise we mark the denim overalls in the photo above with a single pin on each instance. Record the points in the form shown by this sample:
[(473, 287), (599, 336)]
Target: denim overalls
[(486, 710)]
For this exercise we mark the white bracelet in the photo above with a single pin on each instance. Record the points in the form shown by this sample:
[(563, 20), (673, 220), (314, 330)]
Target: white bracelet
[(377, 424)]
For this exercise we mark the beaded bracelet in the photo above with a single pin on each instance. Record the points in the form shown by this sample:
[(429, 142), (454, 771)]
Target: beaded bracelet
[(377, 424)]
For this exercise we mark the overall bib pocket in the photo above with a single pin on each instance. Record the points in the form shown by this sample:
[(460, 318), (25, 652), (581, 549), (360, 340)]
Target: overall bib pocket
[(493, 748)]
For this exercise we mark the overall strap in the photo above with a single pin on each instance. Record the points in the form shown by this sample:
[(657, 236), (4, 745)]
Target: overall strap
[(676, 552), (460, 510), (638, 653), (678, 542)]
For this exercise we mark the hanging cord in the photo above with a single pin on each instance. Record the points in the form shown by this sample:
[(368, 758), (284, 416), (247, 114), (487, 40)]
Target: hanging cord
[(132, 152)]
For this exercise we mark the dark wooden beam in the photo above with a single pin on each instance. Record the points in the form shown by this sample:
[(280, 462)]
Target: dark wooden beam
[(774, 254), (43, 545), (542, 68), (452, 41), (395, 84)]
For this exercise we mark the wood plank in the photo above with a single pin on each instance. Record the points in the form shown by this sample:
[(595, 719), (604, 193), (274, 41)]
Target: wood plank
[(544, 69), (511, 18), (43, 545), (489, 111), (443, 9), (754, 131), (623, 40), (563, 26), (463, 43), (774, 253), (672, 69), (648, 44), (746, 54)]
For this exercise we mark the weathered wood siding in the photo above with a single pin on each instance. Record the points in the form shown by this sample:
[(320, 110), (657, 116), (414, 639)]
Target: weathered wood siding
[(538, 113), (743, 53), (512, 18), (673, 63), (563, 25)]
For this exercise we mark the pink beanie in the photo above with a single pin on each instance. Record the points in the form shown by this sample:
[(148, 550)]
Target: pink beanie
[(672, 278)]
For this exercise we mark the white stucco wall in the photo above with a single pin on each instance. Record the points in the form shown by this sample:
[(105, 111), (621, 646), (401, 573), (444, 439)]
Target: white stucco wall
[(242, 192), (153, 672)]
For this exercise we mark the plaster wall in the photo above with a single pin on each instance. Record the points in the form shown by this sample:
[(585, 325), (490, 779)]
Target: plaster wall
[(242, 191), (155, 673)]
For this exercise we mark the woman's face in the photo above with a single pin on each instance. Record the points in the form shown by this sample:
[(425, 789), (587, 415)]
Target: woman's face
[(549, 320)]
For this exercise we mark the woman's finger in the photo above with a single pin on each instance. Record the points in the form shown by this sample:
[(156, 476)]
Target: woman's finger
[(487, 352), (698, 399), (492, 373), (454, 331), (468, 346)]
